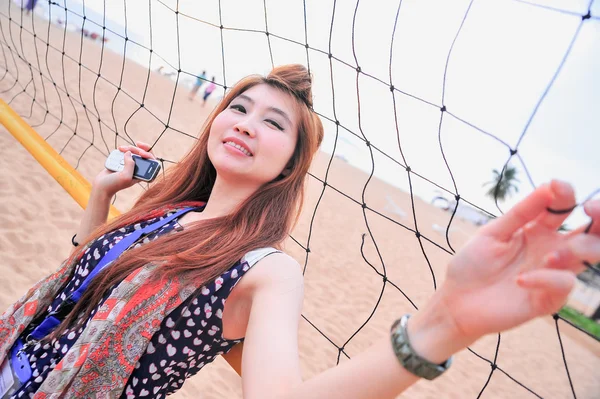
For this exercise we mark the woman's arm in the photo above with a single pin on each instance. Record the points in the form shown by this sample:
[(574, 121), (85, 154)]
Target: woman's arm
[(105, 186), (94, 215), (270, 361), (516, 268)]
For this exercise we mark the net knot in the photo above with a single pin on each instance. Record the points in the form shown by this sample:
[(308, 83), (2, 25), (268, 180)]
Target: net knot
[(513, 152), (330, 55), (443, 109), (368, 143), (385, 279), (457, 197), (306, 45), (337, 122), (221, 27), (358, 69), (494, 366), (142, 105), (555, 316), (417, 234), (307, 250), (391, 87), (586, 16), (364, 205), (267, 33), (408, 169)]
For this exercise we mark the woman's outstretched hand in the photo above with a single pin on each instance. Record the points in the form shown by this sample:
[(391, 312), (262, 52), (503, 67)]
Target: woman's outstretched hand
[(109, 182), (518, 266)]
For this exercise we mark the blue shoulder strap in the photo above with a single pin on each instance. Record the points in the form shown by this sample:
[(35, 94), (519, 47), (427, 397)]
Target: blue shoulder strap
[(51, 322)]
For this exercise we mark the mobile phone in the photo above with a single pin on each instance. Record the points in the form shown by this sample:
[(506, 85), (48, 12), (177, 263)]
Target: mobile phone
[(144, 169)]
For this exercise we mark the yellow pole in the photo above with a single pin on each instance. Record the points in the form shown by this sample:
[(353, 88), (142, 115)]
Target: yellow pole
[(70, 179)]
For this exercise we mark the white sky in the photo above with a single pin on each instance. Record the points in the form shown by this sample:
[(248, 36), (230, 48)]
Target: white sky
[(502, 61)]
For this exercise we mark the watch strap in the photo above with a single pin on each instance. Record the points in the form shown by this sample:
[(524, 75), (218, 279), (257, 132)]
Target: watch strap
[(407, 356)]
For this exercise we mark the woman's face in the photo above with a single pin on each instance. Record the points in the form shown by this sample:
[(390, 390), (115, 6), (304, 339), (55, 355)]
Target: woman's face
[(253, 139)]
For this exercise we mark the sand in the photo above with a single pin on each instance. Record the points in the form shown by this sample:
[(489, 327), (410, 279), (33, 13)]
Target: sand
[(38, 218)]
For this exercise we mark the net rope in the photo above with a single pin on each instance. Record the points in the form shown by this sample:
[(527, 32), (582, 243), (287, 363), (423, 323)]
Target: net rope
[(50, 98)]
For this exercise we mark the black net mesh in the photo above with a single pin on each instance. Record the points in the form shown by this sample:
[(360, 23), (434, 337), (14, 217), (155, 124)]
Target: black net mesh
[(397, 188)]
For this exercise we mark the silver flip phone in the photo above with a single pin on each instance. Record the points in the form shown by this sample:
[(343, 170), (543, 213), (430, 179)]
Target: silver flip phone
[(145, 169)]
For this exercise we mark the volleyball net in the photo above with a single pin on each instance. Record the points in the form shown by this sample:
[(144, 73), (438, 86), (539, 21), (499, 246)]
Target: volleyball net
[(420, 101)]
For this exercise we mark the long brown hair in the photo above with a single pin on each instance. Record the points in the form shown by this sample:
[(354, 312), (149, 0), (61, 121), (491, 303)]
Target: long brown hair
[(206, 249)]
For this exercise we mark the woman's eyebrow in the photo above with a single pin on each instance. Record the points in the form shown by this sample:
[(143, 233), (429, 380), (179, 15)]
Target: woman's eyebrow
[(282, 113), (274, 109)]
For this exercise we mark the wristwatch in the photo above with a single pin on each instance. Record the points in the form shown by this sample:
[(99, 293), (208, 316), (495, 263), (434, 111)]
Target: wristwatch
[(407, 356)]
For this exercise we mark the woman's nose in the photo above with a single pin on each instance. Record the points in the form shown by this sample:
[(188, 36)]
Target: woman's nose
[(245, 128)]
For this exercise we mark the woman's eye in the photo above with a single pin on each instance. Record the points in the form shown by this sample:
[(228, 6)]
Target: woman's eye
[(238, 107), (277, 125)]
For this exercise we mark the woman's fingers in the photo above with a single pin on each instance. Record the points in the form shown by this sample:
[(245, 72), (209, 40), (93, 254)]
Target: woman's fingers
[(142, 145), (137, 150), (129, 165), (592, 209), (572, 254), (563, 198), (585, 247), (549, 288), (519, 215)]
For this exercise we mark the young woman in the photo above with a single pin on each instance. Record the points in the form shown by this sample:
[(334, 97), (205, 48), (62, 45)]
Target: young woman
[(193, 271)]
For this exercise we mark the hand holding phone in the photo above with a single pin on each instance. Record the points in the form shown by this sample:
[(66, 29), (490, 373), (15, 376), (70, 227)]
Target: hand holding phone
[(108, 182), (144, 169)]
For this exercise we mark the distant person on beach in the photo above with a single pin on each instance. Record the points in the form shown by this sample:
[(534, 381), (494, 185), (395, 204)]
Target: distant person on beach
[(199, 82), (196, 270), (30, 5), (208, 91)]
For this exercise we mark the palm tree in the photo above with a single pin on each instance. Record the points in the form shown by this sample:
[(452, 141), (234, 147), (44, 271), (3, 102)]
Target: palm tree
[(503, 184)]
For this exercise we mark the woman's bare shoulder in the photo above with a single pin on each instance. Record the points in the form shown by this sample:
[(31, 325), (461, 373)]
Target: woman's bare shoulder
[(277, 269)]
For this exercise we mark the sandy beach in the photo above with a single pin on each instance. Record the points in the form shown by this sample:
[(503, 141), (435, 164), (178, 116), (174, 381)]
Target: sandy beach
[(38, 218)]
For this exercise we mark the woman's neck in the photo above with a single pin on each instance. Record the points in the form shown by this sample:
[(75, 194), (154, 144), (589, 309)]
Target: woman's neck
[(225, 197)]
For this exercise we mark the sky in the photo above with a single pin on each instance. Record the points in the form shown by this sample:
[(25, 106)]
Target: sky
[(501, 63)]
